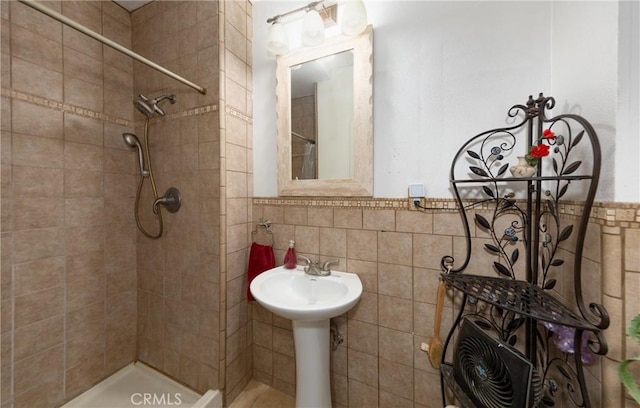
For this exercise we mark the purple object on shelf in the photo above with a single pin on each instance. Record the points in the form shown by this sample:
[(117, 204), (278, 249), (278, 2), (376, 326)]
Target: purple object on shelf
[(563, 338)]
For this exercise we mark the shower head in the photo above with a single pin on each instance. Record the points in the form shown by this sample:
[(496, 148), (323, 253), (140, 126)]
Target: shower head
[(144, 106), (133, 142), (149, 107)]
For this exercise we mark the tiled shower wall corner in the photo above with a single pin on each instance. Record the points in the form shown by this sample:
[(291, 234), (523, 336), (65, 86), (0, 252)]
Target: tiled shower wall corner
[(179, 274), (396, 253), (195, 324), (236, 190), (68, 184)]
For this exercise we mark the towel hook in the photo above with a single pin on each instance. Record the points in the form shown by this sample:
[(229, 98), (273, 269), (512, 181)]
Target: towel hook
[(266, 224)]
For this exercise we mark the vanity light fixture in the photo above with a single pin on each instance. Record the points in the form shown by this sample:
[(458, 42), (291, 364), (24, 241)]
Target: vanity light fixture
[(354, 22), (277, 40), (312, 29), (354, 18)]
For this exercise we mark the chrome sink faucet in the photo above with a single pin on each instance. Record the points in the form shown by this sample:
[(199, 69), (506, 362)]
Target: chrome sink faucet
[(313, 268), (327, 265)]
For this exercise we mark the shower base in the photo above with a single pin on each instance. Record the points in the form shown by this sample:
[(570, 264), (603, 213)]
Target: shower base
[(138, 385)]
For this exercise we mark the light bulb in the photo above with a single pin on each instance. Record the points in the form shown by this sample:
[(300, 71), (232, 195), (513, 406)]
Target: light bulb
[(277, 41), (354, 18), (312, 29)]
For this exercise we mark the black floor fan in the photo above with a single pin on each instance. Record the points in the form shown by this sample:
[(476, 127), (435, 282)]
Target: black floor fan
[(492, 373)]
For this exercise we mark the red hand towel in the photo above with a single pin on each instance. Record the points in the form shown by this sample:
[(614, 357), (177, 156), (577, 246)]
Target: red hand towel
[(261, 259)]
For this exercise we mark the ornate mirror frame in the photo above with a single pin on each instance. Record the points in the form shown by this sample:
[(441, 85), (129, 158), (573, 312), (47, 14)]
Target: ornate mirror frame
[(362, 130)]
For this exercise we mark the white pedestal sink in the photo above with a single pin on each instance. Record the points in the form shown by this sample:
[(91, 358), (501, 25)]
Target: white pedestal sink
[(309, 301)]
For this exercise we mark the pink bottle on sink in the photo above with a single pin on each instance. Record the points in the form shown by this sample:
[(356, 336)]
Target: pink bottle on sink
[(291, 258)]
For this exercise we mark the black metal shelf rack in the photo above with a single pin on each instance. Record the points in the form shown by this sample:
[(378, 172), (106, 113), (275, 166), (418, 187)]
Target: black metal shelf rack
[(522, 219)]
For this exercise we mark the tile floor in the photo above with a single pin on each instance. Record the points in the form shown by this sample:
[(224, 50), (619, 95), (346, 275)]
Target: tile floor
[(258, 395)]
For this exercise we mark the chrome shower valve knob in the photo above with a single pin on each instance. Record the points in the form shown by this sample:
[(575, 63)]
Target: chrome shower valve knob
[(172, 200)]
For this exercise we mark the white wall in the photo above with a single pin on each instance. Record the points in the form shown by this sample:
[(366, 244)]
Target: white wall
[(584, 71), (444, 71), (627, 188)]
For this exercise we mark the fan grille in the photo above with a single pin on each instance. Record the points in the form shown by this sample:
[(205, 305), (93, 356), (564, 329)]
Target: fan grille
[(491, 373), (485, 373)]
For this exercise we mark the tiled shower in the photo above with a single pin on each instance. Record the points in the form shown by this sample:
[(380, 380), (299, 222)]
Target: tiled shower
[(83, 293)]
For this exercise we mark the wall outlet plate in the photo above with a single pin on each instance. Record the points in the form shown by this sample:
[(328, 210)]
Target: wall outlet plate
[(417, 191), (411, 203)]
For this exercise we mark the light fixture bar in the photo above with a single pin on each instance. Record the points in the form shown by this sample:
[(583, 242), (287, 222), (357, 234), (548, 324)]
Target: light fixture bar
[(309, 6)]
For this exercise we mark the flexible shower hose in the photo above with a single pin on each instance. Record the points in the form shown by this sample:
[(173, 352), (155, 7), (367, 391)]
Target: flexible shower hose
[(153, 187)]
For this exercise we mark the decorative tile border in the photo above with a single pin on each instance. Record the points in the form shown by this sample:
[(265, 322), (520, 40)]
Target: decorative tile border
[(88, 113), (441, 204), (234, 112), (64, 107), (336, 202), (603, 213), (194, 111)]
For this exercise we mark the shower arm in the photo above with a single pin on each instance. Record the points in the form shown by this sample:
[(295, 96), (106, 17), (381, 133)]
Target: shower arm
[(65, 20)]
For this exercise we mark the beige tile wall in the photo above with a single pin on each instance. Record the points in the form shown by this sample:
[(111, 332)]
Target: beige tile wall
[(397, 254), (68, 254), (179, 283), (236, 144), (378, 363)]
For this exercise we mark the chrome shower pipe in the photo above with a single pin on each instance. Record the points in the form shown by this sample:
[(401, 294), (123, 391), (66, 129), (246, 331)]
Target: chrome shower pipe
[(65, 20)]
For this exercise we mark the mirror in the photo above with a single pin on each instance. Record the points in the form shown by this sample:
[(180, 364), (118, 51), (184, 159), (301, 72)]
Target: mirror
[(325, 118), (321, 118)]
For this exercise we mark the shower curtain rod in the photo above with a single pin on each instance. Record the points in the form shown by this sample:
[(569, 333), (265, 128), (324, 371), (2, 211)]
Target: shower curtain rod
[(299, 136), (65, 20)]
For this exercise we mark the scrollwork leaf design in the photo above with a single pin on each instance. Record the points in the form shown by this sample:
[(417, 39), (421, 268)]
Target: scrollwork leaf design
[(551, 283), (503, 169), (482, 222), (478, 171), (515, 324), (488, 191), (514, 256), (513, 340), (566, 233), (577, 139), (564, 372), (572, 167), (557, 262), (473, 154), (506, 204), (503, 270), (563, 190), (492, 248), (555, 165)]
